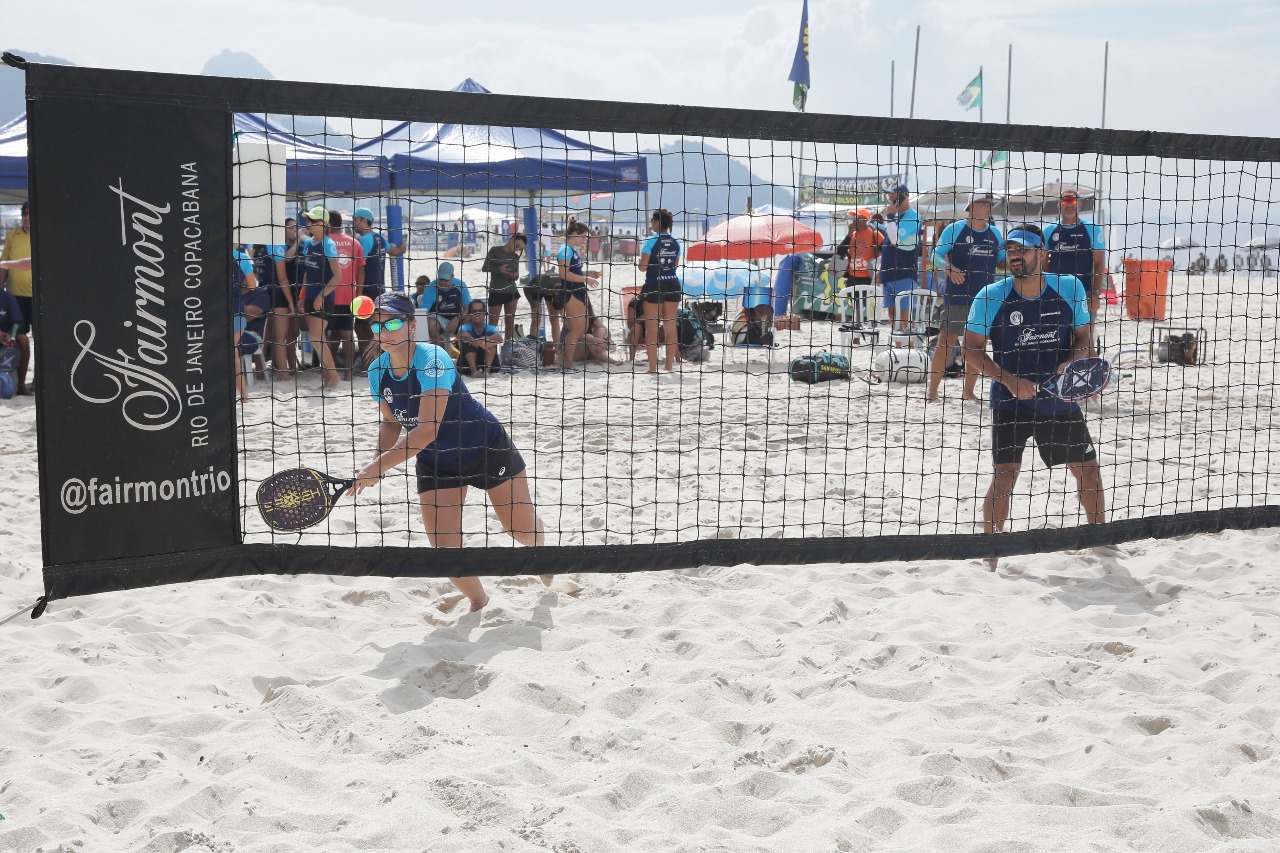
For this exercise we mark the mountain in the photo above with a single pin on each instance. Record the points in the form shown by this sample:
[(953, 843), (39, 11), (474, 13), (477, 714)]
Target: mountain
[(234, 63), (687, 176), (13, 83)]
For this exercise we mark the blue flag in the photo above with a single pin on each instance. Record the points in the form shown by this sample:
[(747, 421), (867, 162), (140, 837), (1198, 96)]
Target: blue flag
[(800, 65)]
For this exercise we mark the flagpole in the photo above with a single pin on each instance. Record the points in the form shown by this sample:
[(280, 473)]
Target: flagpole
[(983, 83), (1008, 119), (891, 62), (915, 65)]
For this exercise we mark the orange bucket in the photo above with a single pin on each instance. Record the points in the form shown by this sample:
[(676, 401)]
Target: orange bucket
[(1146, 288)]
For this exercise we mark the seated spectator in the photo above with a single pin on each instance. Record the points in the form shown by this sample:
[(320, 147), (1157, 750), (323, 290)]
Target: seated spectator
[(636, 329), (596, 343), (444, 298), (478, 341)]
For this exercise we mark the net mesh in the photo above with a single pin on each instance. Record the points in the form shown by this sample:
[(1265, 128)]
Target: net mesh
[(728, 446)]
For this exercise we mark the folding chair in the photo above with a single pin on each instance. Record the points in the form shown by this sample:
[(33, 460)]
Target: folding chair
[(920, 306)]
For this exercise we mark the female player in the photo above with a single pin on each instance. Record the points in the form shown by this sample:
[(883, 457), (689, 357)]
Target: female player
[(661, 292), (318, 276), (428, 413), (573, 288)]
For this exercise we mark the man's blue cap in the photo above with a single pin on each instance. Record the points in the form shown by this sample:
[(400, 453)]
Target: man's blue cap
[(445, 272), (1030, 239), (363, 213), (395, 303), (901, 188)]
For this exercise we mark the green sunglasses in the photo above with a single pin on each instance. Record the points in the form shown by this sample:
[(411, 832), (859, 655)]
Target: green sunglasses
[(395, 324)]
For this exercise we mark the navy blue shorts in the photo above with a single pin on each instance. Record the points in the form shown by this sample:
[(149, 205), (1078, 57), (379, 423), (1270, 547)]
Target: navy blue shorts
[(1060, 439), (499, 463), (663, 291)]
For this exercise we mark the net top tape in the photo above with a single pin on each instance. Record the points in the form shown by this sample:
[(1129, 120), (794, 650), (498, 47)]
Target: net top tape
[(377, 102)]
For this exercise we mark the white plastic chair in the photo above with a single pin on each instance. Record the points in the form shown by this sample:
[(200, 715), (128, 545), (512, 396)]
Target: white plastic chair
[(919, 305)]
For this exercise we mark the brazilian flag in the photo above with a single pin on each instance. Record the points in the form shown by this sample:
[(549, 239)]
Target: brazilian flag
[(972, 95)]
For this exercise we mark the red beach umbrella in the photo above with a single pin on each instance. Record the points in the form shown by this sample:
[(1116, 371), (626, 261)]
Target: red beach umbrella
[(754, 236)]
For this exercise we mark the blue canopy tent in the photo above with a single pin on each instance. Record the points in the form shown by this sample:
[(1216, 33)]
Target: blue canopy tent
[(13, 161), (316, 169)]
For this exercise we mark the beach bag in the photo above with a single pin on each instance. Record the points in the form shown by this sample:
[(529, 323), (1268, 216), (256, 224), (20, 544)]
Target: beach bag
[(694, 337), (522, 352), (10, 357), (819, 367)]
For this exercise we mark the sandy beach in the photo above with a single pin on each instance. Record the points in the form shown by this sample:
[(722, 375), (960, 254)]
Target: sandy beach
[(1109, 700)]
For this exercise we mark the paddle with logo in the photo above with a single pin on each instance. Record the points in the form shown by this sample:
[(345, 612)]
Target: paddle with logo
[(1079, 380), (299, 498)]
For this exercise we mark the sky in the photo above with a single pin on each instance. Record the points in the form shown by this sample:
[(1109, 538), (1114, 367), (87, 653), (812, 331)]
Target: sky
[(1174, 65)]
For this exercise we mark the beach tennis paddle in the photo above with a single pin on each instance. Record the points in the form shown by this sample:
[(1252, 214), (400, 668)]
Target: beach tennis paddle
[(298, 498), (1080, 380)]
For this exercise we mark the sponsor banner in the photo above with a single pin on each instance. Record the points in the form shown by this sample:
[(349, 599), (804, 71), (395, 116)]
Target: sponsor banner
[(133, 326), (855, 192)]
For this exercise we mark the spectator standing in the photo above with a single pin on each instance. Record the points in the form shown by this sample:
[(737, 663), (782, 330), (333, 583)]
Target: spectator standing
[(341, 322), (860, 246), (443, 299), (968, 250), (574, 280), (16, 278), (900, 252), (661, 291), (318, 274), (376, 249), (245, 326), (1077, 247), (269, 267), (502, 263)]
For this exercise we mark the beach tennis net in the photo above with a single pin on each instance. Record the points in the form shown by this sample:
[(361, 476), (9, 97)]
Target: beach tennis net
[(728, 458)]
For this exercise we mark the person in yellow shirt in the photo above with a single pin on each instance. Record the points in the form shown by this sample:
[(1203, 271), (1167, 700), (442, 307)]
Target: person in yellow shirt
[(15, 276)]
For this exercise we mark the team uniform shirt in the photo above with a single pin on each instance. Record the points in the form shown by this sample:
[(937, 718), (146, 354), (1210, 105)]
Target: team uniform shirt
[(975, 253), (570, 256), (1071, 249), (445, 301), (664, 256), (16, 247), (241, 268), (465, 429), (313, 266), (10, 313), (350, 262), (374, 246), (264, 264), (900, 254), (1030, 337), (483, 332)]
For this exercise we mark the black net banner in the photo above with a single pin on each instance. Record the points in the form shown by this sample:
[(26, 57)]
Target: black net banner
[(133, 315), (839, 244)]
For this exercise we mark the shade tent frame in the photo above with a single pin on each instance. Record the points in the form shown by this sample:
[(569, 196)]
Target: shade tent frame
[(13, 161)]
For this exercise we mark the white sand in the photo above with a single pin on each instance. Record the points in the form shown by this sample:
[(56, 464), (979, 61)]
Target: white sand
[(1125, 700)]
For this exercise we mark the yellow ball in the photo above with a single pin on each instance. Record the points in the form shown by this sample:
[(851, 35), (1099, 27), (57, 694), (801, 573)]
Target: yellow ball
[(362, 307)]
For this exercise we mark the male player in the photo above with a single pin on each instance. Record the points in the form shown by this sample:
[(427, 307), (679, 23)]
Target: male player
[(900, 252), (1076, 247), (968, 250), (1037, 323)]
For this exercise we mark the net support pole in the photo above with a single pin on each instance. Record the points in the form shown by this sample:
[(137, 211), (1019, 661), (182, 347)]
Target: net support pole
[(396, 235)]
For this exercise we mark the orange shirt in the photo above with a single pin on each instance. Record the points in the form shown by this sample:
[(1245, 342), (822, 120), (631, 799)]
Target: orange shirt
[(864, 245)]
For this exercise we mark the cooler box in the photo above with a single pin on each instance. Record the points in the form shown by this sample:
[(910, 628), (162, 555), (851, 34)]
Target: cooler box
[(1146, 288)]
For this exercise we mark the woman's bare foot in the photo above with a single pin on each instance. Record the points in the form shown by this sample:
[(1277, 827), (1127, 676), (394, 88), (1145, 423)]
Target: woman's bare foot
[(546, 579), (476, 606)]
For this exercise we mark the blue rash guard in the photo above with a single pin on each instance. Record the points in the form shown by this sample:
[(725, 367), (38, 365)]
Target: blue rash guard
[(664, 256), (1071, 249), (975, 253), (900, 253), (375, 253), (570, 256), (314, 270), (465, 429), (1030, 337)]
